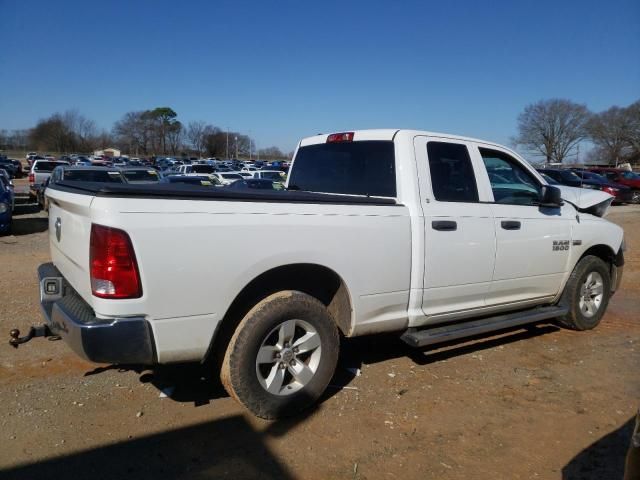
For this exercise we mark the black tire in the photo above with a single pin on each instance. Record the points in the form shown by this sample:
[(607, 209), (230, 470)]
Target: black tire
[(577, 319), (239, 371), (635, 197)]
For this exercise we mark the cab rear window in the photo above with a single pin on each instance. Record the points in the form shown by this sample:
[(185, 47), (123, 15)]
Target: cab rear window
[(41, 166), (352, 168)]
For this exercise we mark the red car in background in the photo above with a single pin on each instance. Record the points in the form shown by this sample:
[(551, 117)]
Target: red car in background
[(623, 177)]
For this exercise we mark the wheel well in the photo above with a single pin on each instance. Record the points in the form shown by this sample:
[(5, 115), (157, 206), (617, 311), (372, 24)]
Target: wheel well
[(318, 281), (603, 252)]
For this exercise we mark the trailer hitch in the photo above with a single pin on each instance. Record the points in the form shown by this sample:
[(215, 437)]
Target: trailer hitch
[(34, 331)]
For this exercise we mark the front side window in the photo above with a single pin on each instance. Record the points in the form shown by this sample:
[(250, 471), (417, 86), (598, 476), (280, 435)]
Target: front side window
[(452, 177), (511, 182)]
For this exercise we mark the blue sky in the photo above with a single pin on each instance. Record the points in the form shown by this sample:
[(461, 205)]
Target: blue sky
[(281, 70)]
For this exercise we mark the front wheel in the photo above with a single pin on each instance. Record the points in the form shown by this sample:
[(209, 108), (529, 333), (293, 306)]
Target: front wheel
[(282, 355), (586, 294), (635, 198)]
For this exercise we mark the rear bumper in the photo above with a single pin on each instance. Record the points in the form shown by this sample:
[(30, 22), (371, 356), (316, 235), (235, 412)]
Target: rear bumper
[(121, 340)]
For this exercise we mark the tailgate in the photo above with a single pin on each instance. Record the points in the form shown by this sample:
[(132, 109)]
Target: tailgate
[(69, 235)]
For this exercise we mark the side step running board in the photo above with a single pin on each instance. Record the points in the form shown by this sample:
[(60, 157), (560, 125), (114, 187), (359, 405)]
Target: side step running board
[(427, 336)]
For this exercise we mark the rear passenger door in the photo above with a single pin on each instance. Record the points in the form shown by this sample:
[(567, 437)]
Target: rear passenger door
[(532, 242), (459, 228)]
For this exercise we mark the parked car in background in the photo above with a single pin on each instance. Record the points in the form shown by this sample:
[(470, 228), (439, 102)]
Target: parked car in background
[(68, 173), (33, 158), (255, 184), (565, 177), (8, 166), (6, 209), (621, 193), (227, 178), (82, 161), (202, 180), (273, 175), (197, 169), (5, 179), (19, 170), (622, 177), (40, 171), (140, 175)]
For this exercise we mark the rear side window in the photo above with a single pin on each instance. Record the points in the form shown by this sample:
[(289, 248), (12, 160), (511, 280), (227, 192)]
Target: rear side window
[(452, 177), (351, 168)]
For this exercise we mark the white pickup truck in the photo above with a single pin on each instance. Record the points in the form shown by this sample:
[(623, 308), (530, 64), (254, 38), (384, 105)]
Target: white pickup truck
[(433, 236)]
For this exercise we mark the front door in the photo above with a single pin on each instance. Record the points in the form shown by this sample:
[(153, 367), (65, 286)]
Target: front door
[(533, 243)]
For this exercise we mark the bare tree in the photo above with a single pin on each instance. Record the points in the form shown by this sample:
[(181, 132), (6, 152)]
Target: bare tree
[(272, 153), (195, 135), (174, 133), (632, 133), (609, 131), (551, 128)]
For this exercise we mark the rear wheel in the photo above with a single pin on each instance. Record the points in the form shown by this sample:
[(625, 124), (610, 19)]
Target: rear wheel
[(282, 355), (586, 294), (635, 198)]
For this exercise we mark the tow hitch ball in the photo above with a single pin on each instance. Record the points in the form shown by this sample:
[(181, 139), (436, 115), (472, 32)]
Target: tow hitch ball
[(35, 331)]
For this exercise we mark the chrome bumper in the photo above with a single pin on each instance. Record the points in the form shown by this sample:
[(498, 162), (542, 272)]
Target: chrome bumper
[(121, 340)]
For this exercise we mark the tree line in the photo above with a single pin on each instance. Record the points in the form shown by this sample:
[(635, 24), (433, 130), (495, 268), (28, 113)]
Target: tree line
[(140, 133), (553, 130)]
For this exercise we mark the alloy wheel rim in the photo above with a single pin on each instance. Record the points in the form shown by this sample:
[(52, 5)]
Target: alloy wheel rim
[(288, 357), (591, 294)]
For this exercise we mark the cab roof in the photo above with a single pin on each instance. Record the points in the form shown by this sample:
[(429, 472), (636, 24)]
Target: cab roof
[(387, 134)]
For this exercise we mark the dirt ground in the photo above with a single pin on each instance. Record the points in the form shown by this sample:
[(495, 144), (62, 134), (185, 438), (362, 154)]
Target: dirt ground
[(541, 403)]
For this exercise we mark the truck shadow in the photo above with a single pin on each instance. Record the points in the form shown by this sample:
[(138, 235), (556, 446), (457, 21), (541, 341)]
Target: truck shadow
[(225, 448), (197, 384), (604, 458)]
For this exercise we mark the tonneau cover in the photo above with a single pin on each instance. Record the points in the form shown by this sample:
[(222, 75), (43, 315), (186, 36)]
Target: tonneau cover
[(196, 192)]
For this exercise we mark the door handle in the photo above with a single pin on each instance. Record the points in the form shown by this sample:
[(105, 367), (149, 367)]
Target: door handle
[(510, 225), (444, 225)]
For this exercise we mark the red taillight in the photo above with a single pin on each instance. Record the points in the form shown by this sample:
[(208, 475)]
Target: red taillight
[(340, 137), (32, 178), (114, 271)]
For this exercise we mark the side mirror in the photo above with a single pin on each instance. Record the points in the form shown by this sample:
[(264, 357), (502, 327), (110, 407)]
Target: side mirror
[(550, 197)]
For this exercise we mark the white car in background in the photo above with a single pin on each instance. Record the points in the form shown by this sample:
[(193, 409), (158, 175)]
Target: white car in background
[(273, 175), (227, 178)]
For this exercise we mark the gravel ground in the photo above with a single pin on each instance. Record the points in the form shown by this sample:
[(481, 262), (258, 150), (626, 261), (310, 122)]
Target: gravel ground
[(536, 403)]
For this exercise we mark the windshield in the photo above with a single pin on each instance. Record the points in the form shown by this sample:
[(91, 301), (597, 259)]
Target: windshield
[(140, 175), (353, 168), (231, 176)]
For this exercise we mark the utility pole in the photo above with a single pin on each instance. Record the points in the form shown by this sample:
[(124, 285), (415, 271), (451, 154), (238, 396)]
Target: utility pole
[(227, 143), (578, 154), (236, 140)]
